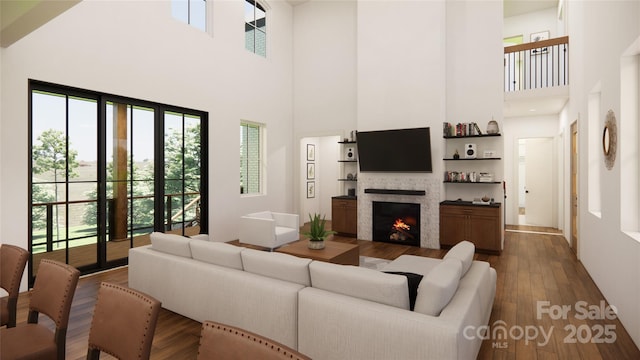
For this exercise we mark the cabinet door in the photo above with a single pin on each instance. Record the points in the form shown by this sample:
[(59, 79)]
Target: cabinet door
[(338, 216), (484, 231), (351, 217), (453, 227)]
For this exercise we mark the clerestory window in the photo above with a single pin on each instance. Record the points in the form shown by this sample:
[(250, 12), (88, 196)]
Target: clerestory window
[(255, 27), (192, 12)]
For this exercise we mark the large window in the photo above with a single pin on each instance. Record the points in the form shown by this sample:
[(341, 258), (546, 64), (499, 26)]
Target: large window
[(251, 159), (106, 171), (192, 12), (255, 27)]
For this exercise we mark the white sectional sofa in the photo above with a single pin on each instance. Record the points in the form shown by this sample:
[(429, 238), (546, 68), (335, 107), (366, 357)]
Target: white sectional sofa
[(323, 310)]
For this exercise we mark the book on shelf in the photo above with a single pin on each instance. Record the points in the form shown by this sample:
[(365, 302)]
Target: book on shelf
[(460, 129)]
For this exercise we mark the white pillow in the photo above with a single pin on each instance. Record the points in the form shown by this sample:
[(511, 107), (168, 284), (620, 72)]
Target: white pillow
[(276, 265), (438, 287), (170, 244), (462, 251), (363, 283), (217, 253)]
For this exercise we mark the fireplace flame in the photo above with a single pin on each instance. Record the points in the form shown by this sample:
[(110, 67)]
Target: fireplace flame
[(401, 225)]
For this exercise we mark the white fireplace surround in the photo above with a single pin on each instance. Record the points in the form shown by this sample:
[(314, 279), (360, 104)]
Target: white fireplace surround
[(429, 203)]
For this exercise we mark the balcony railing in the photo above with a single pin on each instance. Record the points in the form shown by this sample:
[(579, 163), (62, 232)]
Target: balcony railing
[(185, 217), (536, 65)]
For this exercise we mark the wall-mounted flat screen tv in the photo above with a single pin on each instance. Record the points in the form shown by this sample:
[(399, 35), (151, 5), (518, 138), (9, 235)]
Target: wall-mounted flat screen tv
[(400, 150)]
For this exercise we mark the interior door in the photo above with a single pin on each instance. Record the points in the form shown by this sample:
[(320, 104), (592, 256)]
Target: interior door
[(539, 182)]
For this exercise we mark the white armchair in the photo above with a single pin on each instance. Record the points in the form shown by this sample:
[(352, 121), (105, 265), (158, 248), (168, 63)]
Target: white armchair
[(269, 229)]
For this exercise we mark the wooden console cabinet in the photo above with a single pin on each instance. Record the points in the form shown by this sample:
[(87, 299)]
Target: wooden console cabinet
[(480, 224), (344, 215)]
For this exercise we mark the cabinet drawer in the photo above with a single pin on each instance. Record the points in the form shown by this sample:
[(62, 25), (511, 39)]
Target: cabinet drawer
[(469, 210)]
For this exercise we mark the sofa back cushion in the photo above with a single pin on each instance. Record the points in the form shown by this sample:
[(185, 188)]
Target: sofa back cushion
[(171, 244), (464, 252), (217, 253), (363, 283), (276, 265), (438, 287)]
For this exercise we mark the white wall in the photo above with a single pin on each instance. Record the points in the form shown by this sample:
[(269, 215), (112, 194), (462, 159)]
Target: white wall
[(474, 68), (526, 24), (136, 49), (523, 128), (611, 256), (324, 81)]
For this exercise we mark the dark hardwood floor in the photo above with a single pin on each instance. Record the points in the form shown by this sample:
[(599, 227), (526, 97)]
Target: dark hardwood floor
[(533, 267)]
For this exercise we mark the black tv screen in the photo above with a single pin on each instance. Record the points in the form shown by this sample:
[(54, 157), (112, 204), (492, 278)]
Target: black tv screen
[(401, 150)]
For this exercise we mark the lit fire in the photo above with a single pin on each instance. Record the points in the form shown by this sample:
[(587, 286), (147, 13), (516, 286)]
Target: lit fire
[(401, 225)]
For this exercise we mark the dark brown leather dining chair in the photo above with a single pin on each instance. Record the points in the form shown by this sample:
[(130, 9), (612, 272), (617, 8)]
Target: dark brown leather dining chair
[(223, 342), (13, 260), (52, 295), (124, 321)]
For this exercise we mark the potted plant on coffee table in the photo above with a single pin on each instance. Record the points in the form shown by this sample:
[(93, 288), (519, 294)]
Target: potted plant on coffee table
[(317, 232)]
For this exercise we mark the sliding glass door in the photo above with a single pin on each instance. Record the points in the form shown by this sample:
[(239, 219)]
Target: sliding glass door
[(107, 171)]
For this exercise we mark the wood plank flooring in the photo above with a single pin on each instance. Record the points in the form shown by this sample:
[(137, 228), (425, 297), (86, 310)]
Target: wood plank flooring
[(532, 267)]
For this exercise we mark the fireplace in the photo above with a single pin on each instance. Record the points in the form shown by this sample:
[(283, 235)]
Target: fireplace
[(397, 223)]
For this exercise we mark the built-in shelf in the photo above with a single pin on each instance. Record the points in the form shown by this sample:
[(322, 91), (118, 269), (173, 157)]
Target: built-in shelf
[(346, 142), (395, 192), (348, 161), (472, 182), (464, 159), (347, 179), (471, 136)]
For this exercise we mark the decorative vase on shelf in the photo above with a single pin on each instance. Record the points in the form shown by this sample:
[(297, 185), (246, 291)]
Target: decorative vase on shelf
[(456, 155), (317, 233), (492, 127)]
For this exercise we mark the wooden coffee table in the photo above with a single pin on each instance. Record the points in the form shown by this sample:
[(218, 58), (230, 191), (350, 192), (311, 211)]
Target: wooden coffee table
[(333, 252)]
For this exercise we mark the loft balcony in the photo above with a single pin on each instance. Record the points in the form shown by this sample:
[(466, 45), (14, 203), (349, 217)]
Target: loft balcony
[(536, 77)]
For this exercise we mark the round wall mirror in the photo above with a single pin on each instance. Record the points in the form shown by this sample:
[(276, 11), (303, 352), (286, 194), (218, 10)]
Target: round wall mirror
[(610, 139), (606, 142)]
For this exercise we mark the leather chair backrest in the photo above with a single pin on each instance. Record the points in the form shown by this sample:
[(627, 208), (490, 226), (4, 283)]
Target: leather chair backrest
[(124, 322), (53, 292), (223, 342), (13, 260)]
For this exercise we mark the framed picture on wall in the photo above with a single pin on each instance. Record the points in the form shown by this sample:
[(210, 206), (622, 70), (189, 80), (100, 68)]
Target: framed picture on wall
[(311, 171), (539, 36), (311, 152), (311, 189)]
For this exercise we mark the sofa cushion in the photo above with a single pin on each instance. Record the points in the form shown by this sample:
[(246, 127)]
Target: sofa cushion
[(438, 287), (200, 237), (462, 251), (413, 281), (276, 265), (217, 253), (413, 264), (171, 244), (363, 283)]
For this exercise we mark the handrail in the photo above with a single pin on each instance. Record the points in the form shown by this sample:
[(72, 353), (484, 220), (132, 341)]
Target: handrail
[(536, 44), (187, 207), (535, 65)]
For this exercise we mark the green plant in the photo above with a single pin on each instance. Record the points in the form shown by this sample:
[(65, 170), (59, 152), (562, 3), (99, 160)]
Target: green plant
[(317, 231)]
